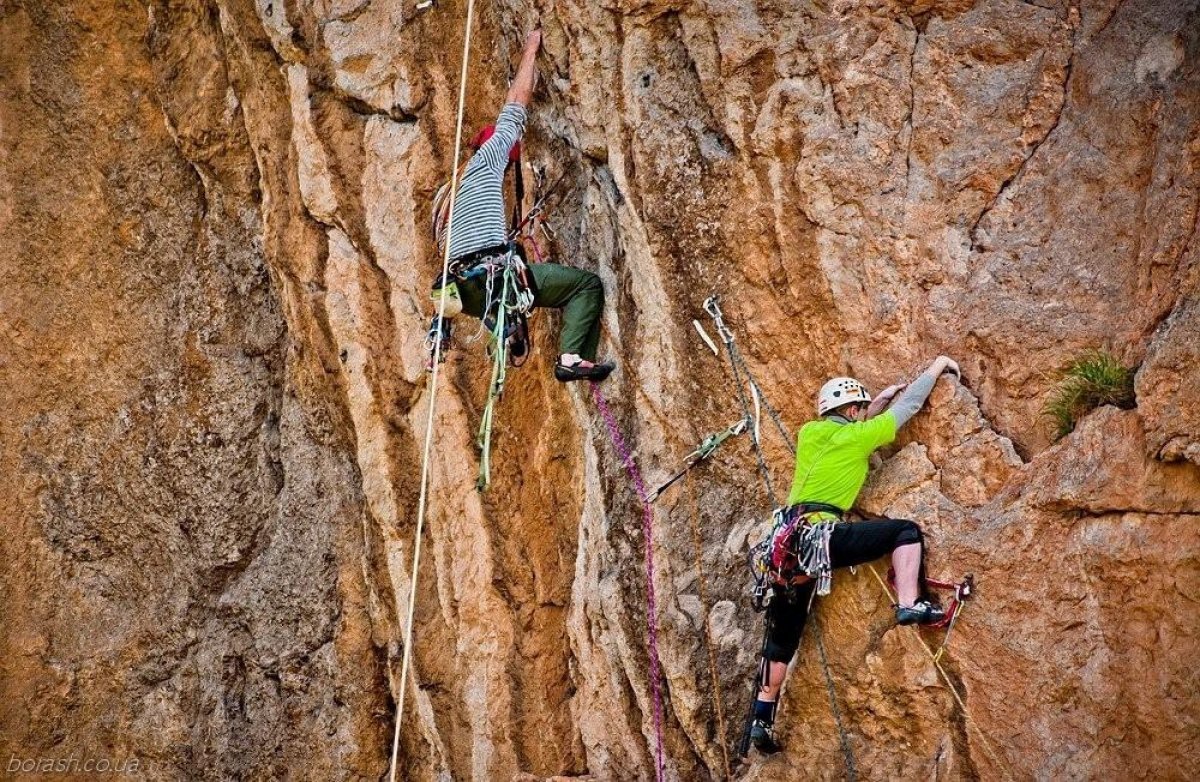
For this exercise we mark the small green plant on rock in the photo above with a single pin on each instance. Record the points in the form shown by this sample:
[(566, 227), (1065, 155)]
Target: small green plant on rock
[(1095, 379)]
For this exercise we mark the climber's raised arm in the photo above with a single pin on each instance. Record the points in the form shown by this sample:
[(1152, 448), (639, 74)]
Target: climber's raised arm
[(497, 145), (521, 90), (915, 394), (879, 403)]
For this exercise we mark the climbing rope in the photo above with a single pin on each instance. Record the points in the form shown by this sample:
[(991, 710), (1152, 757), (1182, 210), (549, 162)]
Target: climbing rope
[(702, 587), (740, 369), (635, 475), (936, 659), (421, 503), (843, 736)]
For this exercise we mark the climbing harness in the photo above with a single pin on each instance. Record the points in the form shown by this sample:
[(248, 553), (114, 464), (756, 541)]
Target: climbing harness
[(703, 452), (506, 318), (795, 551), (740, 370), (508, 299), (639, 486)]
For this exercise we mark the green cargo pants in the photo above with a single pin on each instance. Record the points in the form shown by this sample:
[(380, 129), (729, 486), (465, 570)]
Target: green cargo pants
[(578, 293)]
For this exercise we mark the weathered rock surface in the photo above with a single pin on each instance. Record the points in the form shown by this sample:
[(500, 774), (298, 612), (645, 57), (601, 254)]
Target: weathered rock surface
[(216, 270)]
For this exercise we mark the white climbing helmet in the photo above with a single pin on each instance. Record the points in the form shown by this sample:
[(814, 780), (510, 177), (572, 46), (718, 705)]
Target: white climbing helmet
[(840, 391)]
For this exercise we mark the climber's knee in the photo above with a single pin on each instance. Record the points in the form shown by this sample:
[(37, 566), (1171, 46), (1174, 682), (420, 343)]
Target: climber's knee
[(786, 615), (908, 533), (593, 285)]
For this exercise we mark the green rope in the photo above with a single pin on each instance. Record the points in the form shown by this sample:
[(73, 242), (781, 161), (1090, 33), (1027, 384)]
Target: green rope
[(499, 350)]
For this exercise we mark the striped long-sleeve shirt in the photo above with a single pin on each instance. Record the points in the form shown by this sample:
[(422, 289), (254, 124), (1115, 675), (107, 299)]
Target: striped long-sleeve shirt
[(479, 205)]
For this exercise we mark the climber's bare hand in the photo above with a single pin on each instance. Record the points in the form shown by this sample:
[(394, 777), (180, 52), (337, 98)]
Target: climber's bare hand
[(947, 364)]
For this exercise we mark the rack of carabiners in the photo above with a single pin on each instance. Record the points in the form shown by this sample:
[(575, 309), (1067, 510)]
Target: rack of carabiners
[(508, 298)]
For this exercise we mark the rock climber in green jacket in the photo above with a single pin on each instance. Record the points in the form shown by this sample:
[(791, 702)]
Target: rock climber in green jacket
[(480, 235), (832, 456)]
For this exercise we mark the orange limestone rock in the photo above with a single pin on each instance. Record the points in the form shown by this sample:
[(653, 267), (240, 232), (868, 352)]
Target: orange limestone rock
[(217, 262)]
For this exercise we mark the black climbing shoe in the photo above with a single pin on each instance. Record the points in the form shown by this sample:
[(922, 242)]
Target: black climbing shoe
[(921, 612), (596, 372), (517, 346), (762, 736)]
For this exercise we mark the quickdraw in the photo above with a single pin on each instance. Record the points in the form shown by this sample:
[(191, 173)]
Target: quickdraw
[(534, 215), (438, 340), (702, 453), (963, 591)]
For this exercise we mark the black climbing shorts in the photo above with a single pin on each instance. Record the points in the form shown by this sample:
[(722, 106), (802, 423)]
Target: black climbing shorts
[(851, 543)]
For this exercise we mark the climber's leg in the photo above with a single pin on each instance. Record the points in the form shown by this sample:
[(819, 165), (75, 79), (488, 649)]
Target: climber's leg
[(906, 562), (786, 615), (855, 543), (580, 295)]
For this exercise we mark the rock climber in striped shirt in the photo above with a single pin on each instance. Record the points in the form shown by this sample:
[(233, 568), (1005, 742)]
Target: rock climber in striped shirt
[(479, 232)]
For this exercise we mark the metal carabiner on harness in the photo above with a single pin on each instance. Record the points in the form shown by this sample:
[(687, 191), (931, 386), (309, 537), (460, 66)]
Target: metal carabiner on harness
[(440, 333)]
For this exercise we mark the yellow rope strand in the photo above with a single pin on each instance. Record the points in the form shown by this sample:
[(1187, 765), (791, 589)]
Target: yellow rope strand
[(936, 658), (698, 543), (437, 356)]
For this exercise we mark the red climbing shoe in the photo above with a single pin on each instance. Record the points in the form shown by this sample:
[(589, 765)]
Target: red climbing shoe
[(583, 371)]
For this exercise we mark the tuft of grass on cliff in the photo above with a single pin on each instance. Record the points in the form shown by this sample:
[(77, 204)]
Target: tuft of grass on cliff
[(1096, 378)]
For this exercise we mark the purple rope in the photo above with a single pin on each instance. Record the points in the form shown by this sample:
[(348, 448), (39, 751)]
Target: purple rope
[(648, 534)]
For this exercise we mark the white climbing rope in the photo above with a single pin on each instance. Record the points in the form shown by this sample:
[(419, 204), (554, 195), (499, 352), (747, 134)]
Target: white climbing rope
[(416, 561)]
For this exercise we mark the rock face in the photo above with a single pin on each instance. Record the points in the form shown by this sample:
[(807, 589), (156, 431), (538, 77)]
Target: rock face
[(216, 266)]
